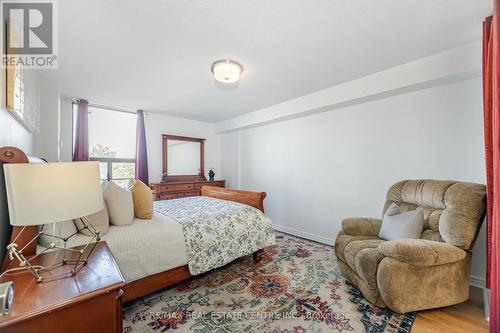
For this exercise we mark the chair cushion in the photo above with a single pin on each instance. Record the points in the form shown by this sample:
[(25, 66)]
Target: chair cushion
[(363, 257), (343, 240), (421, 252), (361, 226), (453, 210)]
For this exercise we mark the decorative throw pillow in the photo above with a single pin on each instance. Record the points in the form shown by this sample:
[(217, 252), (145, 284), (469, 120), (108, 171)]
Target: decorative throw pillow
[(397, 224), (61, 229), (99, 221), (120, 204), (143, 199)]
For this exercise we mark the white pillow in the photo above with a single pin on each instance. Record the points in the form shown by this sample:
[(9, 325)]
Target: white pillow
[(99, 221), (397, 225), (120, 204), (62, 229)]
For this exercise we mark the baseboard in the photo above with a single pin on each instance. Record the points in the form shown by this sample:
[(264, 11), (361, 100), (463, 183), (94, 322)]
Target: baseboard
[(486, 298), (474, 280), (306, 235), (477, 282)]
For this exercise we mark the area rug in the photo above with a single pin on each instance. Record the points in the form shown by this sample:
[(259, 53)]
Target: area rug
[(295, 287)]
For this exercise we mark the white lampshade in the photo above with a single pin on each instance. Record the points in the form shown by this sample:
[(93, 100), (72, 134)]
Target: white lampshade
[(52, 192), (227, 71)]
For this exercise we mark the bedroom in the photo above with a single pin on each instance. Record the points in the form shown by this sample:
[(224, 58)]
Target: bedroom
[(333, 104)]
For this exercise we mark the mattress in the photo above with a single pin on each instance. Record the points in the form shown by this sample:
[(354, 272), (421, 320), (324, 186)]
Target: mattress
[(144, 248), (217, 232)]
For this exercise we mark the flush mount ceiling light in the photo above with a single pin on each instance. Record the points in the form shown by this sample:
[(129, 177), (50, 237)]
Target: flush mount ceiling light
[(227, 71)]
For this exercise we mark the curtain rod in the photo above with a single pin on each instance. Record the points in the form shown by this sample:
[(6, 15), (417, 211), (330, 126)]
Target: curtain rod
[(120, 109), (107, 107)]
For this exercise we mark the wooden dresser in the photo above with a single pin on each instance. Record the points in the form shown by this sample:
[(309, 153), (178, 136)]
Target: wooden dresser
[(174, 190), (88, 302)]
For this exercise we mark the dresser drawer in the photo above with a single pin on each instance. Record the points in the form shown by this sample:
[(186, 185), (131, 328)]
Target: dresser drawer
[(189, 194), (167, 196), (167, 191), (176, 187), (215, 183)]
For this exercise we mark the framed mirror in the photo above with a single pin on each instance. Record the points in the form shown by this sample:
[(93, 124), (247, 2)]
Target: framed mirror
[(183, 158)]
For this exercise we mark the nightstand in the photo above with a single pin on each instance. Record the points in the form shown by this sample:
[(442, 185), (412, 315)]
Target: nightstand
[(87, 302)]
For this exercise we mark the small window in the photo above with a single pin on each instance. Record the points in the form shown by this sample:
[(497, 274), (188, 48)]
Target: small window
[(111, 142)]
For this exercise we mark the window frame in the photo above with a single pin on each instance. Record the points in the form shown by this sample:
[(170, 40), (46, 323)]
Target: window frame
[(108, 160)]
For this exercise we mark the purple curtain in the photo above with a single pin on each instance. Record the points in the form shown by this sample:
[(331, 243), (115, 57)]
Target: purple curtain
[(81, 149), (141, 154)]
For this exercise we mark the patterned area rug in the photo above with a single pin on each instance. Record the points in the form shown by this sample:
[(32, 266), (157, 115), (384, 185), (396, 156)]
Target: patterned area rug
[(295, 287)]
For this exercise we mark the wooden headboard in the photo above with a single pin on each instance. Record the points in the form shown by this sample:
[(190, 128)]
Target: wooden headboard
[(13, 155), (254, 199)]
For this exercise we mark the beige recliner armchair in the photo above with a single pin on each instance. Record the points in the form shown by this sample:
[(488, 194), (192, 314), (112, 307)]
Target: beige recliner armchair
[(415, 274)]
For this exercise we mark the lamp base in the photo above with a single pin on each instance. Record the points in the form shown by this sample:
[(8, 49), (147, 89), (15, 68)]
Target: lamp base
[(79, 263)]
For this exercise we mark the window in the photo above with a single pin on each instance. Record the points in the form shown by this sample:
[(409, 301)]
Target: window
[(111, 142)]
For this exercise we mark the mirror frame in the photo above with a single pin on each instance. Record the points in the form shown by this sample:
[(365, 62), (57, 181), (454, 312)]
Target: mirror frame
[(182, 178)]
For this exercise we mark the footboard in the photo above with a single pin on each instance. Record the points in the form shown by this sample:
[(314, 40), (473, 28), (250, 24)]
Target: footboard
[(254, 199)]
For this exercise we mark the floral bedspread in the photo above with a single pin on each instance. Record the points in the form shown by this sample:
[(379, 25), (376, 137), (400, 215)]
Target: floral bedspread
[(217, 231)]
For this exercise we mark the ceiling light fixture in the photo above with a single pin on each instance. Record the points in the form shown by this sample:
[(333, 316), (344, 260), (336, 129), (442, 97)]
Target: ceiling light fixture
[(227, 71)]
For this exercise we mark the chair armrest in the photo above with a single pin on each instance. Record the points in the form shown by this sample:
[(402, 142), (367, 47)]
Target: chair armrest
[(361, 226), (421, 251)]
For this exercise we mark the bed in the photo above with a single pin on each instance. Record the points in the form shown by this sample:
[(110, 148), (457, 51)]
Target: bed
[(154, 254)]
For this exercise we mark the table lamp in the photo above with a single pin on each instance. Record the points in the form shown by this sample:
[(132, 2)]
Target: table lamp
[(45, 193)]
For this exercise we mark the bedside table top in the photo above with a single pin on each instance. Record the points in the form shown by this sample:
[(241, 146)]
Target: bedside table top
[(100, 275)]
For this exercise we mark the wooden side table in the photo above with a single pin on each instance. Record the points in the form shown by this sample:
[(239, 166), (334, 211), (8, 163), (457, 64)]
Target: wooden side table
[(87, 302)]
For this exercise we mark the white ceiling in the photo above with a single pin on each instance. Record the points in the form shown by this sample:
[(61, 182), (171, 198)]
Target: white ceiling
[(156, 55)]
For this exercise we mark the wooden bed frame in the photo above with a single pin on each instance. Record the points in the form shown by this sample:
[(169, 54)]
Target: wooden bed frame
[(149, 283)]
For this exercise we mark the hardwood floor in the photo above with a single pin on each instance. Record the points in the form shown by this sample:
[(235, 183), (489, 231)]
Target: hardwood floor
[(467, 317)]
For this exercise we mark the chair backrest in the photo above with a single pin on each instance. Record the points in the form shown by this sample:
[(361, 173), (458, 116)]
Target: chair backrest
[(453, 211)]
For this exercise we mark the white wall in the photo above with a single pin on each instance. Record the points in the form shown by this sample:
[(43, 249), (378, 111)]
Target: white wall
[(12, 133), (66, 129), (156, 125), (321, 168), (46, 141), (230, 158)]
